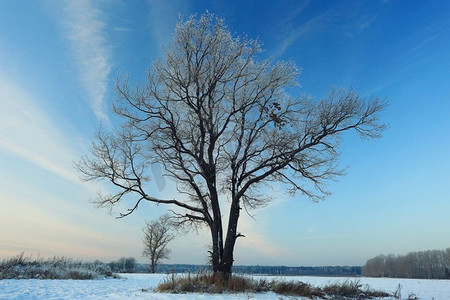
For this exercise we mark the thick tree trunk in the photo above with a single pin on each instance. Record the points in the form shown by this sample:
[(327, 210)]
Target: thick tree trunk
[(216, 224), (223, 264), (222, 255), (228, 257)]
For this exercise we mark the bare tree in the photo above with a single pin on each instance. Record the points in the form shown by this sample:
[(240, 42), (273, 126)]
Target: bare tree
[(123, 264), (221, 122), (157, 235)]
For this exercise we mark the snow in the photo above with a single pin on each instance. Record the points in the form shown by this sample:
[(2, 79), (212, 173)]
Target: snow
[(422, 288), (140, 286)]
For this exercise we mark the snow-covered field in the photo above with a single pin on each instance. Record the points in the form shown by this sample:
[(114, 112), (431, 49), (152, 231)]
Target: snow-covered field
[(140, 286)]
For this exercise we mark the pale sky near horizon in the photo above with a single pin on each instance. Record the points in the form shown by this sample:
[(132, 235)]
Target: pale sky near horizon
[(58, 64)]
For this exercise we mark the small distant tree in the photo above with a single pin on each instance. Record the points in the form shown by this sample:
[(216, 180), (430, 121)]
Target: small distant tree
[(130, 264), (114, 266), (157, 235), (123, 264)]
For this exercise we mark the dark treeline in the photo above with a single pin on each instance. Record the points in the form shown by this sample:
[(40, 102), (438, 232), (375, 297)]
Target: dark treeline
[(129, 265), (269, 270), (430, 264), (124, 265), (306, 271)]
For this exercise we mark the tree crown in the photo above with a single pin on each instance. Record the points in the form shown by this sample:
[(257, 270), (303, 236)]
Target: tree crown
[(221, 123)]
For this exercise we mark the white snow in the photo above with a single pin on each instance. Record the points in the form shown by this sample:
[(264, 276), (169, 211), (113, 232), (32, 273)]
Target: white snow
[(140, 286)]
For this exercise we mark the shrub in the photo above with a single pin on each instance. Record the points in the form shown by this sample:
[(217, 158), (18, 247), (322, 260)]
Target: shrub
[(21, 267)]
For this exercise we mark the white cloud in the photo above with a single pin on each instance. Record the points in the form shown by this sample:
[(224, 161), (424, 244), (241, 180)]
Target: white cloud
[(27, 132), (41, 221), (85, 30), (43, 214), (256, 245), (162, 17)]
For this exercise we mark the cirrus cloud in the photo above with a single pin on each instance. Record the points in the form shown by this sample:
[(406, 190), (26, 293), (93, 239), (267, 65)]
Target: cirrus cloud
[(85, 29)]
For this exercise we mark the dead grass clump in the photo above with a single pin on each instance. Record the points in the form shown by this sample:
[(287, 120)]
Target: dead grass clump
[(354, 290), (206, 282), (296, 288)]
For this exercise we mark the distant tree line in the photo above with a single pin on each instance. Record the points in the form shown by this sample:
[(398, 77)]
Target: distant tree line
[(430, 264), (300, 271), (269, 270), (129, 265), (123, 265)]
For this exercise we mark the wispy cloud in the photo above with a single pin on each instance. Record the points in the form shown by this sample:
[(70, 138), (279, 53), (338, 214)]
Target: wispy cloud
[(123, 29), (256, 245), (27, 132), (337, 18), (85, 31), (40, 212), (405, 62), (40, 222), (162, 17), (293, 33)]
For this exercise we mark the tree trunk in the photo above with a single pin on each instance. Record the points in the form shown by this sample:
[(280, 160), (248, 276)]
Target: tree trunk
[(221, 256), (224, 265), (217, 248), (153, 266), (216, 224)]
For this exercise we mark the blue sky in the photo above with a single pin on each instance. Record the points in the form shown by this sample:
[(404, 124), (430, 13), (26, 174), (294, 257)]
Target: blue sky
[(58, 63)]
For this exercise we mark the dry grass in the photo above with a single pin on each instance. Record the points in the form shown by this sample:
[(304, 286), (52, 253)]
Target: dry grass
[(204, 282), (296, 288), (353, 290), (27, 267)]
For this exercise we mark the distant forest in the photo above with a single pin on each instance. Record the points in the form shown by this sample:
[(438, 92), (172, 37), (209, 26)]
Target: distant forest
[(130, 265), (430, 264), (269, 270)]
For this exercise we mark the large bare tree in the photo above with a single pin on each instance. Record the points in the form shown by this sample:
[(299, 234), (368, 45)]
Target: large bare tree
[(222, 123)]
